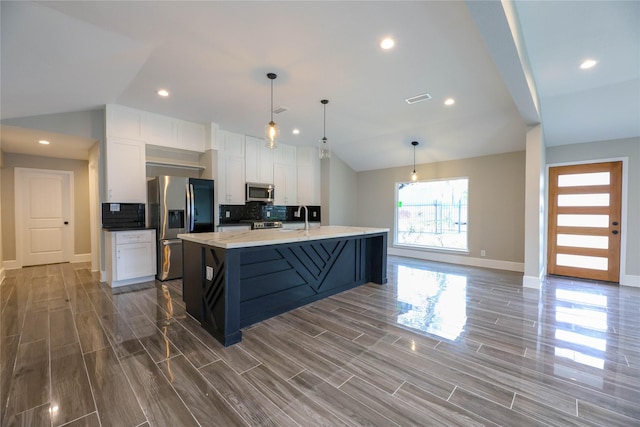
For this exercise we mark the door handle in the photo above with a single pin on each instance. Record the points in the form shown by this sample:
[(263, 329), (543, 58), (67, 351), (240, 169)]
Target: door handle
[(614, 223), (614, 232), (66, 223)]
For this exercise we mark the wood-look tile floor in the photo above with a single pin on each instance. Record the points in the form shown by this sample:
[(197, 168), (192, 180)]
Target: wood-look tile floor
[(438, 345)]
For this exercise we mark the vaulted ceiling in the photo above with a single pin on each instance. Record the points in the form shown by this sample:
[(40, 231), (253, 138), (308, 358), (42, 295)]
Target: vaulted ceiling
[(214, 56)]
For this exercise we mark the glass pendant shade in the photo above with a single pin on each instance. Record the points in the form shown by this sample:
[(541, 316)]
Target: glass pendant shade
[(325, 151), (272, 130), (414, 176)]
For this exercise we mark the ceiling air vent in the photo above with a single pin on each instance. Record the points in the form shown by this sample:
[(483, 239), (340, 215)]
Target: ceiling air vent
[(418, 98), (279, 110)]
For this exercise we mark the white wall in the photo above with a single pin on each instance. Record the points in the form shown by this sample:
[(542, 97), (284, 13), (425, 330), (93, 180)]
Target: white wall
[(535, 219), (339, 192), (606, 150)]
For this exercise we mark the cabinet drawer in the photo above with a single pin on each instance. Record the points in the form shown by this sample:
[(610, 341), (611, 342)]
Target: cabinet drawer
[(123, 237)]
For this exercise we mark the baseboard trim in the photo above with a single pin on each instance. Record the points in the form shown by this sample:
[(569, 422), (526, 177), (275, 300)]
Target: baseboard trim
[(630, 280), (458, 259), (81, 258), (11, 264)]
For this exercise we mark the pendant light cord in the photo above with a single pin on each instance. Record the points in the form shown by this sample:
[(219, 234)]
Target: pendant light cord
[(324, 103), (413, 175), (272, 100), (324, 122)]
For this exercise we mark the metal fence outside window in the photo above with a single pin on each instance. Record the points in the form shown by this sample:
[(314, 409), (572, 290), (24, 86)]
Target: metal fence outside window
[(434, 218)]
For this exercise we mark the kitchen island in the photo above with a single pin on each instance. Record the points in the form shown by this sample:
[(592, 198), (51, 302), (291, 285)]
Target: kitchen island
[(236, 278)]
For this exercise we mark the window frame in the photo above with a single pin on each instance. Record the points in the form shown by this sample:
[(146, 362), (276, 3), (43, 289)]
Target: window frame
[(396, 244)]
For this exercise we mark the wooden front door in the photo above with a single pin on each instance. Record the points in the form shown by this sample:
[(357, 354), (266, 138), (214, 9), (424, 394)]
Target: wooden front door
[(584, 221)]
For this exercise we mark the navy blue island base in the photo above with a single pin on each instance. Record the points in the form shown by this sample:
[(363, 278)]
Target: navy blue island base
[(228, 289)]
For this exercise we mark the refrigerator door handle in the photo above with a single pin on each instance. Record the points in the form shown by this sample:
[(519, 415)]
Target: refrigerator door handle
[(192, 208), (189, 214)]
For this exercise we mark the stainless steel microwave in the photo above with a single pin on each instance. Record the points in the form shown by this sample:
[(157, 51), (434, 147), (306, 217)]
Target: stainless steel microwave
[(260, 192)]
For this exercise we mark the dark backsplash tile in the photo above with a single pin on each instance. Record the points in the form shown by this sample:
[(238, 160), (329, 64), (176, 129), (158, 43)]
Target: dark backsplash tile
[(259, 210)]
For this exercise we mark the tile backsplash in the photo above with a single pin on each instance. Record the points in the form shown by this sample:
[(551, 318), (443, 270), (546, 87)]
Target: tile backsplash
[(260, 211)]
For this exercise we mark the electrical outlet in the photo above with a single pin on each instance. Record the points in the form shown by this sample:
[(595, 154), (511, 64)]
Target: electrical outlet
[(483, 253), (296, 214), (227, 214), (209, 273), (314, 214), (268, 214)]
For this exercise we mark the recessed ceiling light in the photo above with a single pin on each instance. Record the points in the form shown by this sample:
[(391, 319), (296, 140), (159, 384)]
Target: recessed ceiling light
[(163, 92), (44, 142), (387, 43), (449, 101), (295, 131), (588, 63)]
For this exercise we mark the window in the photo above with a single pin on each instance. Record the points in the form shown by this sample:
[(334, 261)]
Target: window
[(432, 214)]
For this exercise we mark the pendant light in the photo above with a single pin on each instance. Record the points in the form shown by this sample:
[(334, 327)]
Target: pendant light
[(325, 152), (272, 129), (414, 175)]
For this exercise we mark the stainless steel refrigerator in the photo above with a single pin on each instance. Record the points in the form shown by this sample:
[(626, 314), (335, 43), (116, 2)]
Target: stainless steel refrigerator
[(178, 205)]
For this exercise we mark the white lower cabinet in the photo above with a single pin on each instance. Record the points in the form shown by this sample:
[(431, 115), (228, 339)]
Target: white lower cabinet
[(130, 257)]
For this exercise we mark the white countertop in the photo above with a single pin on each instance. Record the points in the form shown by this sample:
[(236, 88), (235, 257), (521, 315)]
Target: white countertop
[(246, 239)]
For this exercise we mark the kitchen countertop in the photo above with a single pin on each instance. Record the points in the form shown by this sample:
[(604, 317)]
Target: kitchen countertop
[(245, 238), (115, 230)]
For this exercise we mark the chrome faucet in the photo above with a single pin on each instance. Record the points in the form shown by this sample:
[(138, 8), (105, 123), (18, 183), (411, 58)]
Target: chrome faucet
[(306, 216)]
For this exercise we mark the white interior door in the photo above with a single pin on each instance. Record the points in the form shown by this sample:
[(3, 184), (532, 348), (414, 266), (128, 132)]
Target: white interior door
[(44, 229)]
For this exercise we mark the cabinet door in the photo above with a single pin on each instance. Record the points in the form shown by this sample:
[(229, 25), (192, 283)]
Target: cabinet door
[(285, 181), (158, 130), (266, 164), (252, 159), (232, 143), (234, 177), (306, 186), (292, 185), (309, 176), (190, 136), (134, 260), (126, 171), (123, 122), (285, 154), (258, 161)]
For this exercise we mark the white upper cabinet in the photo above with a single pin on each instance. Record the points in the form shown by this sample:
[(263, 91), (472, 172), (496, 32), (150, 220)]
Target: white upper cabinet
[(285, 180), (258, 161), (126, 174), (155, 129), (231, 143), (191, 136), (231, 168), (309, 176), (285, 155), (158, 130), (285, 175), (123, 122)]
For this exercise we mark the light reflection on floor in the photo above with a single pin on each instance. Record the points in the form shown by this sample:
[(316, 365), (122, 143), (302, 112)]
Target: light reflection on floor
[(432, 302), (581, 333), (578, 323)]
